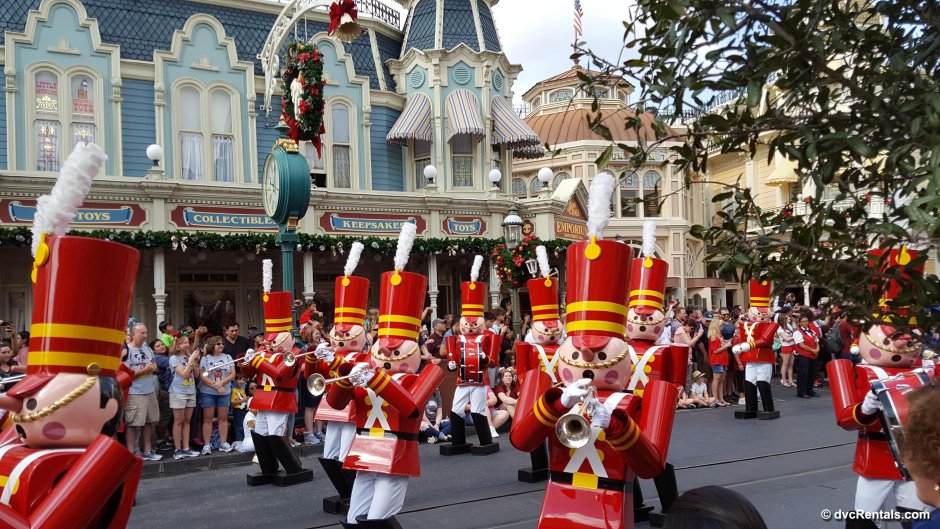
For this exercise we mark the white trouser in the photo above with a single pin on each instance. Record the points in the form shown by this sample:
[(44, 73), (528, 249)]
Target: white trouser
[(873, 495), (378, 496), (271, 422), (755, 372), (475, 395), (339, 437)]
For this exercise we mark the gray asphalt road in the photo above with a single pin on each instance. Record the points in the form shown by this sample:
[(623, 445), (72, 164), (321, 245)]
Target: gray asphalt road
[(791, 469)]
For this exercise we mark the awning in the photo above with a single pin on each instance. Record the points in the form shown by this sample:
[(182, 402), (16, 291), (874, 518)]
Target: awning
[(414, 122), (529, 152), (508, 127), (784, 173), (463, 114)]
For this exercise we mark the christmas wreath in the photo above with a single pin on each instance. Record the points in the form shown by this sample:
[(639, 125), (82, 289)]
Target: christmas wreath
[(303, 84), (510, 264)]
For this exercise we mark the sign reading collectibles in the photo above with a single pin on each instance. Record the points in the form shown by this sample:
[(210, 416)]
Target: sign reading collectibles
[(368, 223), (572, 223), (202, 217)]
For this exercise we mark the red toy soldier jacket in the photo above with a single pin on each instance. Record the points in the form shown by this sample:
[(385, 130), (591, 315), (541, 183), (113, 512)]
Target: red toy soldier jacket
[(656, 362), (760, 336), (325, 412), (489, 343), (277, 382), (533, 356), (388, 412)]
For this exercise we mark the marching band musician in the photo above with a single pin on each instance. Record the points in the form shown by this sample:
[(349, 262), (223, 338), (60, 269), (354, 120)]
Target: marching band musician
[(593, 461), (389, 397), (753, 352), (347, 342), (65, 469), (470, 353), (540, 355), (885, 353), (275, 398), (645, 321)]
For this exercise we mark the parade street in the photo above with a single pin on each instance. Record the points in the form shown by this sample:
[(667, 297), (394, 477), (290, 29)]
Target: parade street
[(791, 469)]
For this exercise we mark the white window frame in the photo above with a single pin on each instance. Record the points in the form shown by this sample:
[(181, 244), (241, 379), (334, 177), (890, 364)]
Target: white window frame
[(65, 118), (419, 162), (641, 194), (512, 186), (205, 124), (353, 144), (471, 155)]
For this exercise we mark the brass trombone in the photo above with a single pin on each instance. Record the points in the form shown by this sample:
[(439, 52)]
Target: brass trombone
[(573, 429), (316, 383), (244, 361), (11, 380)]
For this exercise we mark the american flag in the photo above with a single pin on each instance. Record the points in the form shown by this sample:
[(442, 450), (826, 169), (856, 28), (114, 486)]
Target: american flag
[(578, 13)]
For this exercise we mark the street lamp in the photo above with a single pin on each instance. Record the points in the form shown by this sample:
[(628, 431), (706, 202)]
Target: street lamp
[(545, 176), (495, 177), (430, 173), (155, 154), (512, 233), (532, 266)]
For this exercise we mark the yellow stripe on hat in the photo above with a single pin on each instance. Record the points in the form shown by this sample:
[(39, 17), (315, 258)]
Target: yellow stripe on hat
[(596, 325), (277, 328), (471, 306), (80, 332), (470, 313), (343, 319), (545, 307), (398, 318), (758, 298), (354, 310), (70, 359), (277, 320), (646, 303), (603, 306), (400, 333), (547, 316), (650, 293)]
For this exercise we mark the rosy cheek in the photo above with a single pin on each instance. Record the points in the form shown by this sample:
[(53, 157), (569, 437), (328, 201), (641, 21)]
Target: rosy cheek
[(567, 375), (656, 330), (354, 344), (403, 367), (875, 354), (629, 327), (611, 377)]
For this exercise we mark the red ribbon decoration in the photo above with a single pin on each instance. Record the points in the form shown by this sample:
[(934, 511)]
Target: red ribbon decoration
[(337, 10)]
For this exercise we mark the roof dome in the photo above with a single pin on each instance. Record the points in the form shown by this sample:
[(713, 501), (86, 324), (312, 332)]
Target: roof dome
[(571, 125), (461, 21)]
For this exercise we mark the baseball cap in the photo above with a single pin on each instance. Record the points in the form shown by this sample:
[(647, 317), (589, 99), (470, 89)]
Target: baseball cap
[(436, 321), (707, 315)]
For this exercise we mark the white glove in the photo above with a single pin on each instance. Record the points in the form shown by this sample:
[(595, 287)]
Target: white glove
[(249, 354), (854, 349), (601, 416), (361, 374), (741, 348), (452, 365), (871, 405), (928, 364), (324, 352), (575, 392)]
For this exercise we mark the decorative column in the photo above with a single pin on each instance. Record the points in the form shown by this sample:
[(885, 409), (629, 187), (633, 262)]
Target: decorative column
[(432, 285), (806, 285), (159, 284), (308, 276), (494, 286)]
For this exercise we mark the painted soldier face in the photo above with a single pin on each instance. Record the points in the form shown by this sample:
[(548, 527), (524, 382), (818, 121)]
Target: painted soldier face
[(351, 338), (403, 358), (609, 365), (77, 424), (472, 325), (882, 346), (545, 335), (755, 314), (647, 326), (283, 343)]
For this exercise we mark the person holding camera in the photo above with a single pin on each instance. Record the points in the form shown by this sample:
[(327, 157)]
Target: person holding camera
[(184, 364)]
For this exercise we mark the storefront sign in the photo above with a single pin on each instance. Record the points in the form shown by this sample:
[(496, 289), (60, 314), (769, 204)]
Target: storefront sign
[(371, 223), (226, 218), (93, 214), (528, 228), (572, 223), (652, 157), (464, 226)]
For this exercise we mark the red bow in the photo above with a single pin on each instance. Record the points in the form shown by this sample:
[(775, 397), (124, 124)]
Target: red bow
[(337, 10)]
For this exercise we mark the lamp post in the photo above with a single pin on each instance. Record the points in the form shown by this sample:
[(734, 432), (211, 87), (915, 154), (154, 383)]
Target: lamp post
[(545, 176), (495, 176), (155, 154), (430, 175), (512, 234)]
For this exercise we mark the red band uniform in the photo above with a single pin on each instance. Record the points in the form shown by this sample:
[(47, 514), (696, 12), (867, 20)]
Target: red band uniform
[(471, 388), (385, 450), (591, 486), (66, 468), (754, 347)]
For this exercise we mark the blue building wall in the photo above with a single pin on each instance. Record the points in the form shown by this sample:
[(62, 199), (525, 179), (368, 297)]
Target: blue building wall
[(388, 170), (265, 131), (138, 125), (3, 124), (336, 70)]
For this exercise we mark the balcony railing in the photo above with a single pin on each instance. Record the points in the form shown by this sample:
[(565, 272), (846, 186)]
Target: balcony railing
[(379, 10)]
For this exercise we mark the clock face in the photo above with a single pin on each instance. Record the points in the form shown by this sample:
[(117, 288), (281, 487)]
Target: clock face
[(270, 186)]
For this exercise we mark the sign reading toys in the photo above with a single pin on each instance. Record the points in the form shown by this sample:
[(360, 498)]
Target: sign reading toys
[(91, 215), (464, 226), (369, 223), (572, 223), (202, 217)]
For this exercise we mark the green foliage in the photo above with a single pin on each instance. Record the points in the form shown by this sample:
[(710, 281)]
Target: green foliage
[(510, 264), (303, 60)]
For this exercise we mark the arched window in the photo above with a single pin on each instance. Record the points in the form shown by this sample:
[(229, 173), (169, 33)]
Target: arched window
[(629, 191), (652, 183), (638, 197), (461, 150), (222, 136), (206, 128), (65, 111), (518, 187), (558, 178), (535, 186), (561, 95), (342, 146)]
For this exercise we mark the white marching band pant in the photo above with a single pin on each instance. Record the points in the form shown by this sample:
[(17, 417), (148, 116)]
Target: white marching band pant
[(755, 372), (873, 495), (378, 496), (475, 395), (271, 422), (339, 437)]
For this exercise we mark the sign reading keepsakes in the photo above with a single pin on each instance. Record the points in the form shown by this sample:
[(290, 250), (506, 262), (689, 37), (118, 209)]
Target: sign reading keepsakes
[(225, 218), (371, 223), (464, 226), (93, 214)]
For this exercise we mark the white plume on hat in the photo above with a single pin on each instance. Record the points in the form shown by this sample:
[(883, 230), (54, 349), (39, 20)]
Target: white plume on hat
[(267, 275), (409, 230), (475, 269), (599, 199), (54, 212), (541, 254), (355, 252), (649, 238)]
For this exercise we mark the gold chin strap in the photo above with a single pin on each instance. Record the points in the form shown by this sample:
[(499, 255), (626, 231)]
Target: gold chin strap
[(333, 336), (646, 322), (888, 348), (596, 365), (93, 370), (399, 358)]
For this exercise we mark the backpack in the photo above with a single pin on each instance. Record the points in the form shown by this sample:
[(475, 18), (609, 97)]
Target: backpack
[(834, 341)]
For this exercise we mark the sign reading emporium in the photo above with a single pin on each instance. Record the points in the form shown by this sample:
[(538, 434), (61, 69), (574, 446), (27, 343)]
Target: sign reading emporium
[(227, 218), (371, 223), (572, 223), (93, 214)]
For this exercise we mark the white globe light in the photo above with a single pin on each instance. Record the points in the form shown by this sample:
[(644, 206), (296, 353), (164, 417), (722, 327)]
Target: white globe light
[(545, 175), (430, 173), (495, 176), (155, 153)]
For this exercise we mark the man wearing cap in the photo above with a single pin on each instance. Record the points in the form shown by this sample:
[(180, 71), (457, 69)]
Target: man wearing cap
[(143, 408), (753, 351)]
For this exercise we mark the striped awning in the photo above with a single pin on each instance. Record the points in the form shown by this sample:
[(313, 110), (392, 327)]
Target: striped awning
[(463, 114), (784, 173), (414, 122), (508, 127), (529, 152)]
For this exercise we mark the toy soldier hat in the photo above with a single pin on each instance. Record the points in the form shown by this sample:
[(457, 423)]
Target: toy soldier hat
[(543, 294), (472, 299), (886, 261), (352, 296), (401, 303), (278, 314), (596, 292), (648, 285), (760, 294)]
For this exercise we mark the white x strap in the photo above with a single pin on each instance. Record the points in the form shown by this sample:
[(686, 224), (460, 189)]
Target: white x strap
[(376, 414), (589, 452), (548, 364), (639, 376)]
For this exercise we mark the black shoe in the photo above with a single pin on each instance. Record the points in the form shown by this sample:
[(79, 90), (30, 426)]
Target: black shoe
[(816, 395), (803, 397)]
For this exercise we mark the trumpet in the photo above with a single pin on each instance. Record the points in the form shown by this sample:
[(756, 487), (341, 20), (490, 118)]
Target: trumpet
[(11, 380), (291, 359), (573, 429), (244, 361), (316, 383)]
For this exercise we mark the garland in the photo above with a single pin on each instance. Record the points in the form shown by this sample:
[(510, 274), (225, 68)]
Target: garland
[(510, 265), (302, 107), (183, 241)]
